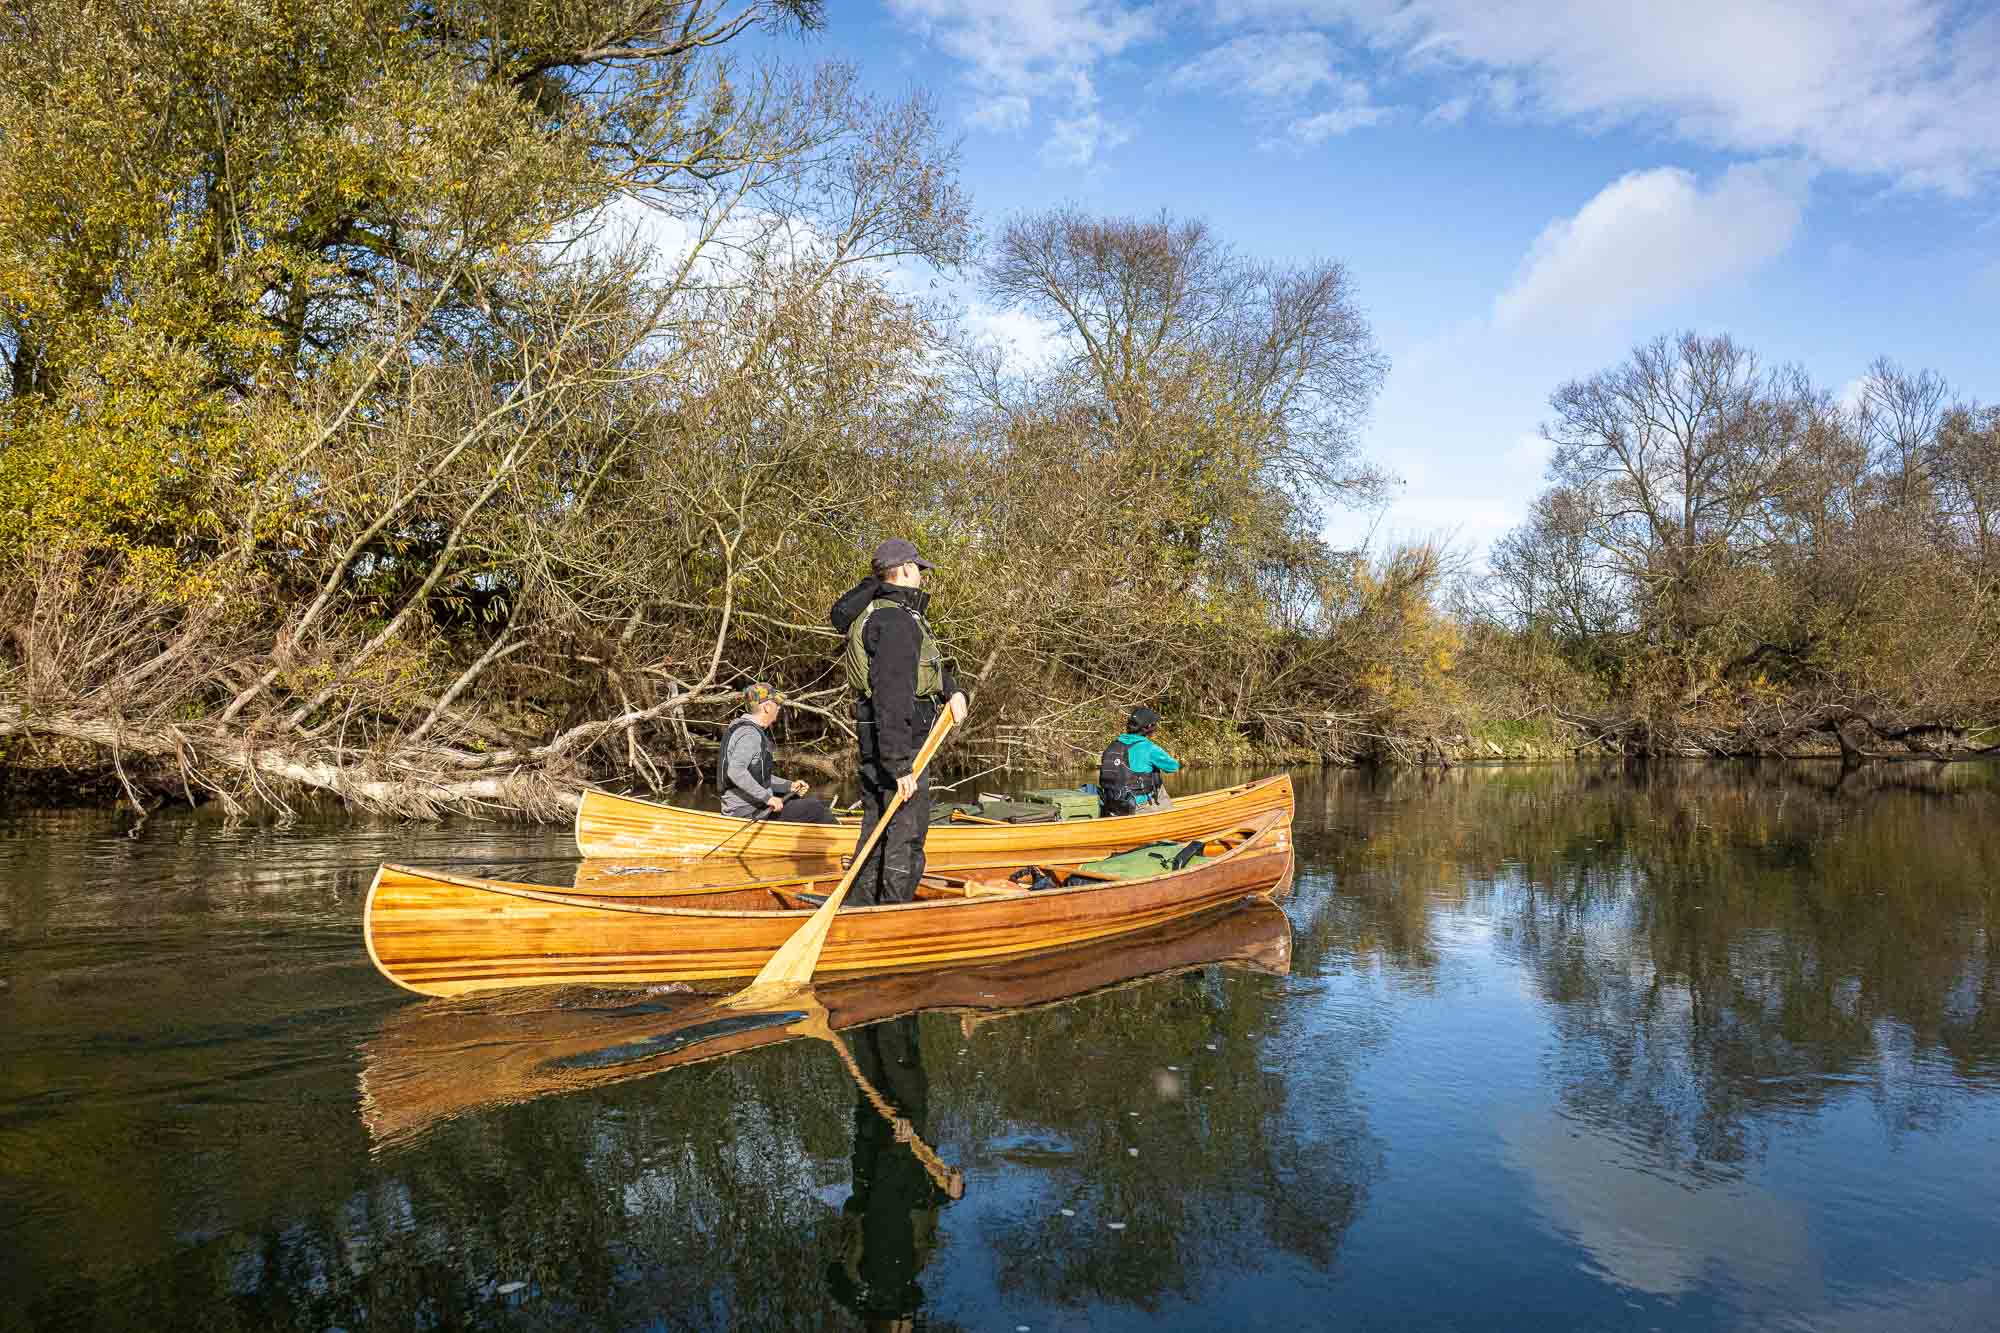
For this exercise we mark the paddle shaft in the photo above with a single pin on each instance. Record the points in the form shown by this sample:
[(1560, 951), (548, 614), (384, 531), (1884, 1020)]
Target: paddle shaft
[(738, 832), (792, 965)]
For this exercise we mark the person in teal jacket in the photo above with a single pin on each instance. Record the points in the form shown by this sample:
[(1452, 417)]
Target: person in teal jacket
[(1128, 774)]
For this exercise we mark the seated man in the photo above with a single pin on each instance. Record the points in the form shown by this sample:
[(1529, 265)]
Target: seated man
[(749, 789), (1128, 776)]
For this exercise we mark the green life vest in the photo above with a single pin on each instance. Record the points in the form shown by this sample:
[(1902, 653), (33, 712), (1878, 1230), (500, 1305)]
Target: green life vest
[(930, 657)]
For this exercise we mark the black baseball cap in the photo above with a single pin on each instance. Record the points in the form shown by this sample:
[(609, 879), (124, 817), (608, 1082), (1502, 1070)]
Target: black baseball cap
[(1143, 720), (896, 551)]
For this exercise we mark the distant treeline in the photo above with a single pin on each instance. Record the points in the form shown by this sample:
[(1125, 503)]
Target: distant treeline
[(441, 406), (1729, 560)]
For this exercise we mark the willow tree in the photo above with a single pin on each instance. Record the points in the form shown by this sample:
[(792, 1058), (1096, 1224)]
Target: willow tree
[(1172, 464), (325, 373), (1209, 365)]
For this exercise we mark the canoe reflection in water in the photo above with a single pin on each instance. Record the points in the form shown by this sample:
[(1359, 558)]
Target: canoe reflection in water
[(438, 1059), (889, 1224)]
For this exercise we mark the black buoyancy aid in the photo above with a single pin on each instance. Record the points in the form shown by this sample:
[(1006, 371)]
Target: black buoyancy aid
[(760, 767), (1117, 784)]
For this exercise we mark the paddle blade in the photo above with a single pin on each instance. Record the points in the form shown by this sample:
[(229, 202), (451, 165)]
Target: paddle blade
[(791, 967)]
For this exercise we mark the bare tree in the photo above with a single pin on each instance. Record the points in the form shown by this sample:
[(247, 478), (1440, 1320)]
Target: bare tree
[(1899, 415), (1169, 324), (1967, 465)]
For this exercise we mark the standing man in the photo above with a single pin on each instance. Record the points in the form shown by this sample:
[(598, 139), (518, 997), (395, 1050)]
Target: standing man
[(1128, 774), (900, 680), (749, 789)]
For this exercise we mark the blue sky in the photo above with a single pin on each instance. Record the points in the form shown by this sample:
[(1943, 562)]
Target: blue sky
[(1520, 191)]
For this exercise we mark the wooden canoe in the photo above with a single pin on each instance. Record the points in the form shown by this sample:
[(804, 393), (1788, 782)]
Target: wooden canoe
[(625, 828), (448, 935), (433, 1062)]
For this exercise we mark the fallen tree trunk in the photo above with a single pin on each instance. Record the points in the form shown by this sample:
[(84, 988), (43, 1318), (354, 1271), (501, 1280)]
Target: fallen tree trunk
[(429, 787)]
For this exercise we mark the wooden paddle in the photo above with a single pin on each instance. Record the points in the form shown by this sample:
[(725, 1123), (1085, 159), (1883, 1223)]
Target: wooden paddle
[(791, 967), (763, 813)]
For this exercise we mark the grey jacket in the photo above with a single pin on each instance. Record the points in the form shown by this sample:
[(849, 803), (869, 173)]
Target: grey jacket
[(742, 795)]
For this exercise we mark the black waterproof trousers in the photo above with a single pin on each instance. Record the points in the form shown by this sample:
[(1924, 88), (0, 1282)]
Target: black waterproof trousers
[(805, 810), (891, 872)]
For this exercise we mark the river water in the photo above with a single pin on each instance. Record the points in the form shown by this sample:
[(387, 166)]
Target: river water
[(1687, 1047)]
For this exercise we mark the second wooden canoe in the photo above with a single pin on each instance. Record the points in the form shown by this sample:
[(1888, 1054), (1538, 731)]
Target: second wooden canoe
[(449, 935), (624, 828)]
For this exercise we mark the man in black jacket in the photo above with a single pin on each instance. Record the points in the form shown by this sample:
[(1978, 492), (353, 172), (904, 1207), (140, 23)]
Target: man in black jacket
[(900, 680)]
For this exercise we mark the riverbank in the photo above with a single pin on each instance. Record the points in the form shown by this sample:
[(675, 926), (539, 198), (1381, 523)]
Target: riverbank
[(72, 784)]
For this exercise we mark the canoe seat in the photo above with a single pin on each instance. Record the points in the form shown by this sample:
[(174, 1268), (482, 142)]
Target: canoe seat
[(992, 888)]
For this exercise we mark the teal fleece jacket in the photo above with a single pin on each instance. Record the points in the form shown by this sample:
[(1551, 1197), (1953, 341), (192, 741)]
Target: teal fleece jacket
[(1146, 757)]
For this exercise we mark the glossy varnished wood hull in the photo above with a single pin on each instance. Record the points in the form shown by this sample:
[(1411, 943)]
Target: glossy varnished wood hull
[(439, 1060), (623, 828), (612, 879), (447, 935)]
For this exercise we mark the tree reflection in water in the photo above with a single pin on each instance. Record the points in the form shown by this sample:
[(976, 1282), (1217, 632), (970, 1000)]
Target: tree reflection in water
[(1745, 1058), (1718, 946)]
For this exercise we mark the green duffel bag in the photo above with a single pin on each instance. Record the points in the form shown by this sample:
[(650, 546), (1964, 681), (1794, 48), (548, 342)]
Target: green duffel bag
[(942, 812), (1018, 812), (1072, 802), (1155, 858)]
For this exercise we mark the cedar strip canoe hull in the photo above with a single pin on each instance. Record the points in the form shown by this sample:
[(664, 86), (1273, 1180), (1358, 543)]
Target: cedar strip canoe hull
[(434, 1062), (609, 879), (612, 827), (447, 935)]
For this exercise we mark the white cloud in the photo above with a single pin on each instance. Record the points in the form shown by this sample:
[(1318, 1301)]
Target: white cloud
[(1024, 341), (1016, 51), (1274, 65), (1651, 237), (1354, 111), (1908, 89), (1852, 394), (1029, 46), (1002, 111), (1313, 130), (1467, 498), (1076, 141), (1449, 112)]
